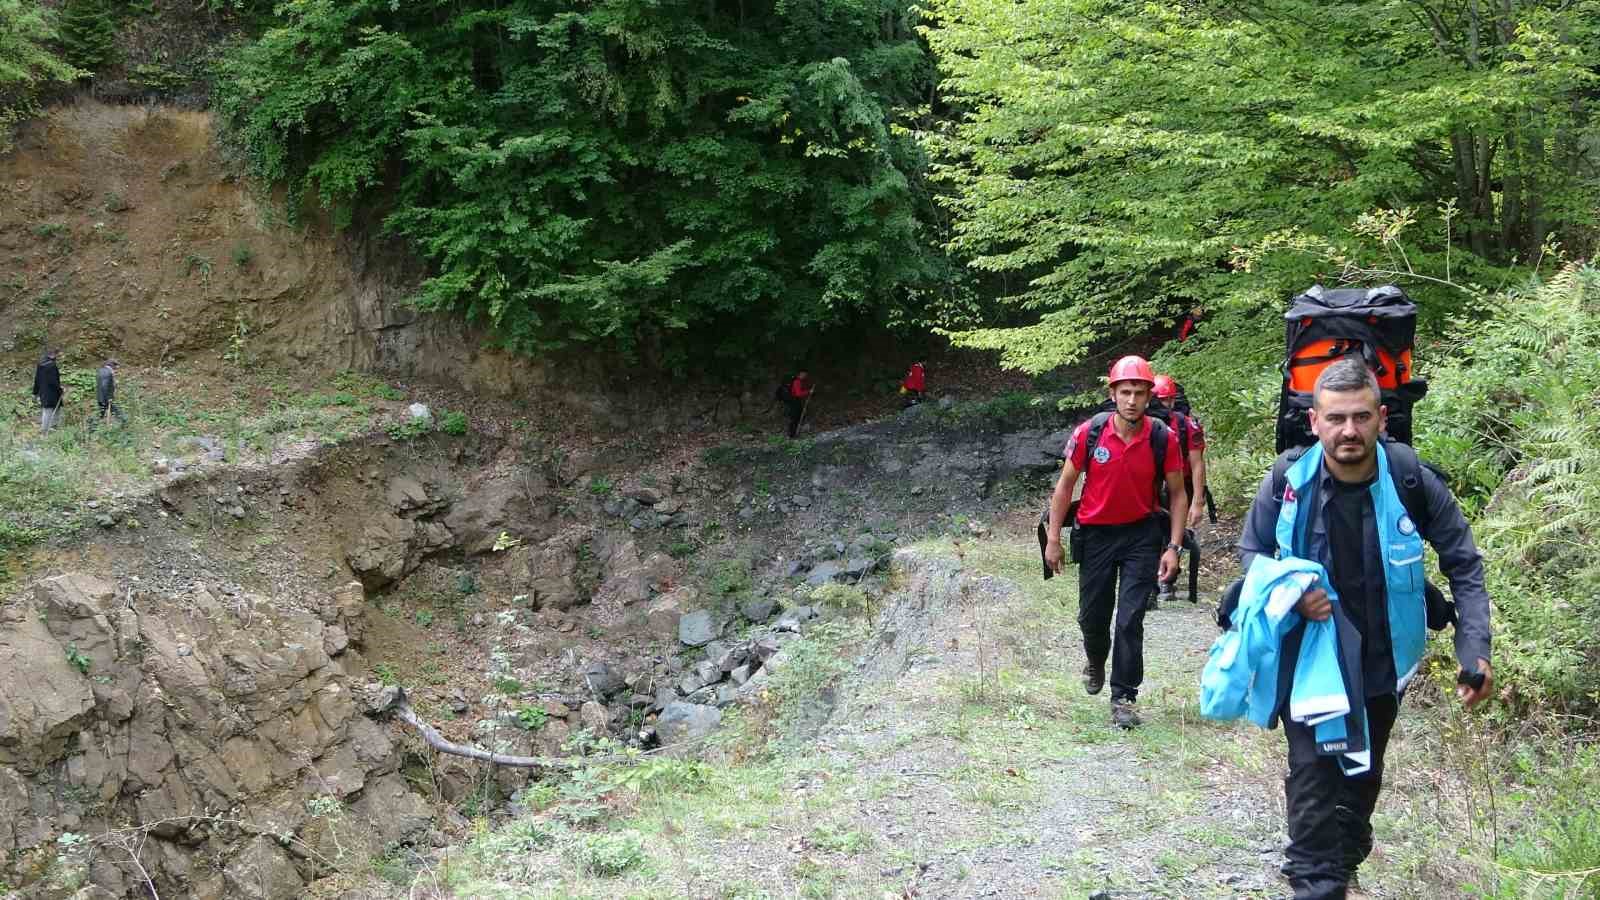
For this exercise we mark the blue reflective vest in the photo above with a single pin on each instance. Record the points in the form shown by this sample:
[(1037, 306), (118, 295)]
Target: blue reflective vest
[(1241, 673)]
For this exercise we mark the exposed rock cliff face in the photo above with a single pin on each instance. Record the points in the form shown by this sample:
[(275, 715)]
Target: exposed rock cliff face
[(208, 725)]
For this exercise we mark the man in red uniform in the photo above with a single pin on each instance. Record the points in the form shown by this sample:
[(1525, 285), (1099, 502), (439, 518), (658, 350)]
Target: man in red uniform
[(1192, 447), (1124, 457), (916, 381), (800, 388)]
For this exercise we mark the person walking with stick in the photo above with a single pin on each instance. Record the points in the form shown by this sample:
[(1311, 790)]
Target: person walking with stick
[(47, 390), (105, 392), (797, 399)]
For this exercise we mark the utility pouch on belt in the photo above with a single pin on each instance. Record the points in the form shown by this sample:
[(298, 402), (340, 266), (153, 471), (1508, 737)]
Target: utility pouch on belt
[(1075, 540), (1074, 537)]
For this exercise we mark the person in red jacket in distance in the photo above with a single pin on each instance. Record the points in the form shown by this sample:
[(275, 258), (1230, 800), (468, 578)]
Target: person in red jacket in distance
[(914, 384)]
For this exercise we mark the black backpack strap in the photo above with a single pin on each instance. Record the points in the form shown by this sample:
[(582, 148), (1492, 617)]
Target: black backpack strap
[(1158, 449), (1174, 420), (1280, 469), (1405, 469), (1091, 440)]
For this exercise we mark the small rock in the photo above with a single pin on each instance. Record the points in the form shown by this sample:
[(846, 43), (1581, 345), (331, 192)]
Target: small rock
[(759, 609), (729, 658), (708, 672), (595, 717), (420, 412), (805, 613), (823, 573), (794, 567), (727, 693), (668, 507), (236, 511), (648, 496), (664, 695), (160, 467), (801, 501), (787, 625), (716, 650), (459, 704), (105, 520), (690, 683), (681, 722), (698, 628), (185, 650), (765, 648), (602, 679), (748, 512), (93, 504), (740, 674)]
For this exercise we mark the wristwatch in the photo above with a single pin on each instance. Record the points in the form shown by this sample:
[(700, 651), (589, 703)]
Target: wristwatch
[(1172, 546)]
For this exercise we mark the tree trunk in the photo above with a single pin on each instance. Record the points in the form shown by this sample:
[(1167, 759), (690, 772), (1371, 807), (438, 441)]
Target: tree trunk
[(1514, 166)]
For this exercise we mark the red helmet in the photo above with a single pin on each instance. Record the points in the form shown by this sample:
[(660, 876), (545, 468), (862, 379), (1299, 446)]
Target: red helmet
[(1165, 387), (1132, 368)]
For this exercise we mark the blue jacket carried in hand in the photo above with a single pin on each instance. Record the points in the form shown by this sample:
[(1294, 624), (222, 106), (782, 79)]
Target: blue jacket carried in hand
[(1328, 693)]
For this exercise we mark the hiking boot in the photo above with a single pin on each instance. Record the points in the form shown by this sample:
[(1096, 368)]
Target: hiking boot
[(1124, 714), (1094, 677)]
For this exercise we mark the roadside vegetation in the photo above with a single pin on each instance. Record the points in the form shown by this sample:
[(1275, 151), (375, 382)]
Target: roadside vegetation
[(52, 485)]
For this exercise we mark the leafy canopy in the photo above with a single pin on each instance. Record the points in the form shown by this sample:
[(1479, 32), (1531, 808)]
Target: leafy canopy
[(676, 177), (1130, 158)]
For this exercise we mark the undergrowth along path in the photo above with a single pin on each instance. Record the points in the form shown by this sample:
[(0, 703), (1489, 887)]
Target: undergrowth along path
[(966, 761)]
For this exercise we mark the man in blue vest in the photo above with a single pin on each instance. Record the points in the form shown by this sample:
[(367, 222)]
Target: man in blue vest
[(1342, 513)]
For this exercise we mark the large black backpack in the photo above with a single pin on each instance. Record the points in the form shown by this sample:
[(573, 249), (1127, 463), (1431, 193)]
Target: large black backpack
[(1323, 326)]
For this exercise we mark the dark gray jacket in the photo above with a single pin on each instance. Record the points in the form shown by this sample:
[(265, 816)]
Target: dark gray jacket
[(1447, 532), (105, 385), (47, 384)]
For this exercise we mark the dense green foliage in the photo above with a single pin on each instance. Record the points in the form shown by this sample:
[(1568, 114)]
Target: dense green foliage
[(672, 177), (88, 33), (1129, 159), (26, 61), (1512, 419)]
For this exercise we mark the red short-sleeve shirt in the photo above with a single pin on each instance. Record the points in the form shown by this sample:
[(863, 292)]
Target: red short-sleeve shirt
[(1120, 486), (1197, 438)]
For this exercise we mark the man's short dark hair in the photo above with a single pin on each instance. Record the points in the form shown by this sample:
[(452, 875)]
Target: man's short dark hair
[(1347, 374)]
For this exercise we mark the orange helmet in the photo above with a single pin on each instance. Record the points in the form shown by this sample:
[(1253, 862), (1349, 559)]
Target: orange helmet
[(1165, 387), (1132, 368)]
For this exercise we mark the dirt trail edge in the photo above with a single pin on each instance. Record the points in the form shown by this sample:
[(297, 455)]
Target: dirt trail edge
[(962, 759)]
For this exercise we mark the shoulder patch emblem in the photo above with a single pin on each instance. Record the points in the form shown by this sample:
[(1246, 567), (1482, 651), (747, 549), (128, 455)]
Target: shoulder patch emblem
[(1101, 455), (1288, 493), (1405, 526)]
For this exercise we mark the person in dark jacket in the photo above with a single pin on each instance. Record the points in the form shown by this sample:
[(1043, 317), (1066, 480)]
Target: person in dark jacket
[(47, 390), (1330, 813), (105, 392)]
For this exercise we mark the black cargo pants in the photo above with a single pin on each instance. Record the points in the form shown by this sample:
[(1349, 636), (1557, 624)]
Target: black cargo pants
[(1116, 577), (1330, 813)]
